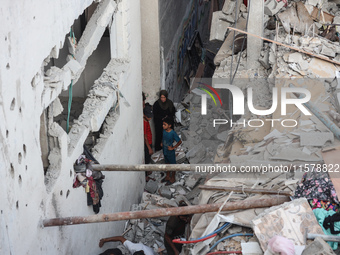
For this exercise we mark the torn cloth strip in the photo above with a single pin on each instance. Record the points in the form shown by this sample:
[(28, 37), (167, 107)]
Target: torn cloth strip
[(316, 186)]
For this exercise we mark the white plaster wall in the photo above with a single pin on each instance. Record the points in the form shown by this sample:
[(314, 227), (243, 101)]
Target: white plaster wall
[(28, 32)]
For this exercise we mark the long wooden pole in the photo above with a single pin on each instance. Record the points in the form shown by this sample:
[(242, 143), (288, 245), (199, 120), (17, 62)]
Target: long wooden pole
[(242, 205), (287, 46), (246, 190), (246, 167)]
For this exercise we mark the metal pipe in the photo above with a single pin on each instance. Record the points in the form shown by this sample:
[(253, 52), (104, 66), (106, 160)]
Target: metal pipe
[(205, 168), (164, 212), (247, 190)]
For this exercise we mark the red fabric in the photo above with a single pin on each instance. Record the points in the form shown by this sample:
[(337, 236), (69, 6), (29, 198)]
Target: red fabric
[(147, 131)]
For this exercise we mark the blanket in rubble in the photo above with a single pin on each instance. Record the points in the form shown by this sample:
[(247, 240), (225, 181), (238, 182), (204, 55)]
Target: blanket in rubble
[(92, 182), (319, 190)]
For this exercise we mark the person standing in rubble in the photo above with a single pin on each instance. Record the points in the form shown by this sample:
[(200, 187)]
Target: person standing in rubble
[(169, 150), (175, 228), (147, 133), (162, 108), (134, 248)]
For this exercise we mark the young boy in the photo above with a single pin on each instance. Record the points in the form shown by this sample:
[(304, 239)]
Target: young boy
[(169, 136), (147, 133)]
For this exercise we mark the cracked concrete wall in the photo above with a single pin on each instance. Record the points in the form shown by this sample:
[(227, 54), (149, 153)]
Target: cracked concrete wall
[(28, 33), (178, 22)]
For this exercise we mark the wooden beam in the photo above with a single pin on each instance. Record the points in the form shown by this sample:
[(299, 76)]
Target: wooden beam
[(246, 190), (164, 212), (246, 167)]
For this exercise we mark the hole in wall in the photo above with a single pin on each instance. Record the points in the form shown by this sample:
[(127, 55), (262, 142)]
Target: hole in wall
[(2, 212), (61, 193), (24, 149), (71, 173), (67, 193), (12, 170), (7, 66), (12, 104), (26, 167), (17, 204), (19, 157), (7, 133), (5, 38), (20, 180), (93, 70), (20, 109), (26, 205)]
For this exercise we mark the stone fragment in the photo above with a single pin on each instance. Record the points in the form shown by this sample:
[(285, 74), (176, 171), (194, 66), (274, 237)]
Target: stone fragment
[(151, 186), (264, 60), (271, 7), (318, 247), (327, 51)]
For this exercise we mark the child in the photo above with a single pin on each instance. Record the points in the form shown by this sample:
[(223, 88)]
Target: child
[(147, 133), (169, 136)]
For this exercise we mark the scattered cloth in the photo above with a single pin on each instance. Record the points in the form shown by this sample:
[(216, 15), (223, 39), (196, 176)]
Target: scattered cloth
[(321, 215), (280, 245), (316, 186), (315, 203)]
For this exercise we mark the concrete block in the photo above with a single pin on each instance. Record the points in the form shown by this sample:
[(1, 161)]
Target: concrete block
[(318, 247), (316, 138), (218, 27), (151, 186), (271, 7), (229, 7)]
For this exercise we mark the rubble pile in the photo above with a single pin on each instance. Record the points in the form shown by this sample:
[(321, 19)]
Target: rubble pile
[(305, 55), (159, 195), (200, 138)]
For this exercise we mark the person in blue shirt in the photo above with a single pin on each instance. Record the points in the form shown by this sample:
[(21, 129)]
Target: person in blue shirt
[(169, 136)]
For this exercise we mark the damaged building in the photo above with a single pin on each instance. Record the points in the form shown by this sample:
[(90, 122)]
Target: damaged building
[(256, 87)]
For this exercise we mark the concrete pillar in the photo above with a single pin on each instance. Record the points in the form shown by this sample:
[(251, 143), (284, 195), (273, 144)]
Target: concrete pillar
[(151, 66), (255, 26)]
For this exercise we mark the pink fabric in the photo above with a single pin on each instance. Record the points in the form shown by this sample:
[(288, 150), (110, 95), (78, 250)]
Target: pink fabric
[(281, 245)]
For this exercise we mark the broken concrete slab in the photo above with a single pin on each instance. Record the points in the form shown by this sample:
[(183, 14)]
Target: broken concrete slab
[(295, 154), (316, 138), (318, 247), (297, 18)]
